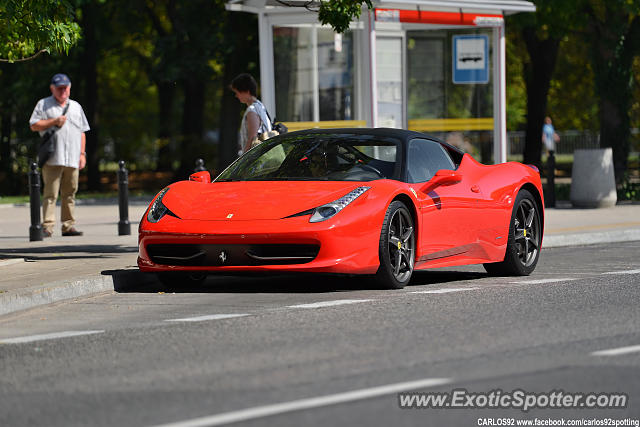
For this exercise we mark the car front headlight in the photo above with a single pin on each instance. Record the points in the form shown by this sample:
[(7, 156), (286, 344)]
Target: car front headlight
[(324, 212), (158, 209)]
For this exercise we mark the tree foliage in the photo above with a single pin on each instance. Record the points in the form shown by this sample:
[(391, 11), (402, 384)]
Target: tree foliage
[(336, 13), (612, 31), (28, 28), (572, 102), (339, 13), (540, 33)]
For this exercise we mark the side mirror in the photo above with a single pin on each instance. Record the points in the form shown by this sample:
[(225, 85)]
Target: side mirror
[(203, 176), (442, 177)]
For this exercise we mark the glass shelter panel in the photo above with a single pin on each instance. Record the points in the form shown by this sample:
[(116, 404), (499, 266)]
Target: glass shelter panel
[(426, 78), (460, 113), (335, 75), (389, 81), (297, 69), (292, 50)]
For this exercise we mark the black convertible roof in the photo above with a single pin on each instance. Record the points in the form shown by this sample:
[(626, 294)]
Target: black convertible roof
[(400, 134)]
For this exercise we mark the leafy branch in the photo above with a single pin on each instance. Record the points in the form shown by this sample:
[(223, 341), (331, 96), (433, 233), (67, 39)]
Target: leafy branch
[(340, 13), (30, 28), (336, 13)]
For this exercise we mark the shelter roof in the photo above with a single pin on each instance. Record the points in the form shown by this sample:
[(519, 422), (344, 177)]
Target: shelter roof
[(504, 7)]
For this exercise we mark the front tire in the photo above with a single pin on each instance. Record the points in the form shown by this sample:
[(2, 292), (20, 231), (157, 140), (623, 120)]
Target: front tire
[(397, 247), (525, 237)]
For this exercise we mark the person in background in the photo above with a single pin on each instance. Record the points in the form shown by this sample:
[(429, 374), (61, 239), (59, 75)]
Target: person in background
[(60, 172), (549, 136), (255, 120)]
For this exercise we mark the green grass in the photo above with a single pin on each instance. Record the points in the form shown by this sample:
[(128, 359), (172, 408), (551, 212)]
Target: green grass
[(13, 199), (563, 191), (628, 191)]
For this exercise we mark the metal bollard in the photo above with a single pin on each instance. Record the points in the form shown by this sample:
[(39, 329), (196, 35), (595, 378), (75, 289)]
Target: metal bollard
[(551, 180), (35, 230), (200, 166), (124, 227)]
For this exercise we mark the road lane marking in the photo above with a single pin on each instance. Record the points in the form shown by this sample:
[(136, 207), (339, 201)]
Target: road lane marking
[(207, 317), (623, 272), (542, 281), (617, 351), (42, 337), (329, 303), (314, 402), (444, 291)]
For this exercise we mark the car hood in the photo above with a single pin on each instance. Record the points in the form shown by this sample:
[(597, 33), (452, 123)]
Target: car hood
[(251, 200)]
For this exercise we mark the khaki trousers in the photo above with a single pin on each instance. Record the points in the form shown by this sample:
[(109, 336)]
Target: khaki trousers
[(63, 180)]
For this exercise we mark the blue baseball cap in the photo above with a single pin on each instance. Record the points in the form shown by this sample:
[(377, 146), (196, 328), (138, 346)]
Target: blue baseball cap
[(60, 80)]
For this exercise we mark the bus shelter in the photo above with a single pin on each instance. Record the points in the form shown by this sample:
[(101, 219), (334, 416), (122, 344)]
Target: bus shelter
[(434, 66)]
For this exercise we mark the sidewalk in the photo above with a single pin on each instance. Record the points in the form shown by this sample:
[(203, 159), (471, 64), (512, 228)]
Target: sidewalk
[(58, 268)]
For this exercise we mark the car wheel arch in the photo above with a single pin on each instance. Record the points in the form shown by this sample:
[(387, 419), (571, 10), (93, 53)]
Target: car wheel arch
[(536, 195)]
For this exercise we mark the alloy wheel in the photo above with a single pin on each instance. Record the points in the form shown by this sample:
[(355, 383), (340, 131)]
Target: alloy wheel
[(401, 244), (527, 232)]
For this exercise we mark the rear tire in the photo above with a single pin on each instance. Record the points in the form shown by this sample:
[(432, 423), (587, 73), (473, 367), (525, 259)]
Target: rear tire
[(397, 247), (525, 236)]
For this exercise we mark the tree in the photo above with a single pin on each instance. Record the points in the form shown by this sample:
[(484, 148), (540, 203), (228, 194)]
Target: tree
[(572, 100), (340, 13), (29, 28), (189, 38), (336, 13), (541, 32), (90, 100), (613, 34)]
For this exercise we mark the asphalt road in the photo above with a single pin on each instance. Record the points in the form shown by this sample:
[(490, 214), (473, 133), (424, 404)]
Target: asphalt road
[(305, 350)]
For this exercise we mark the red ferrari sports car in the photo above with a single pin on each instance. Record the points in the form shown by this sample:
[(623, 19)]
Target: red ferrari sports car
[(379, 202)]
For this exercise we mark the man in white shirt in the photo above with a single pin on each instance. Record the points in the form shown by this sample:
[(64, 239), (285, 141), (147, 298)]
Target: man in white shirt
[(60, 172)]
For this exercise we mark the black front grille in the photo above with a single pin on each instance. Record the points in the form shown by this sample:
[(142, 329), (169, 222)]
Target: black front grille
[(190, 255)]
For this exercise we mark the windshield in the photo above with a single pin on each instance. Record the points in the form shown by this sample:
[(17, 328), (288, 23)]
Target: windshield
[(317, 157)]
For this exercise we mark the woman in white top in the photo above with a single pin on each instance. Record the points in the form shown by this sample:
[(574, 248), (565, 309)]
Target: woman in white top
[(255, 120)]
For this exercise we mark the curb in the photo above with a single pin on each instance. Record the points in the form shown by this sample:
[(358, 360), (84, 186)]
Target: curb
[(581, 239), (68, 289)]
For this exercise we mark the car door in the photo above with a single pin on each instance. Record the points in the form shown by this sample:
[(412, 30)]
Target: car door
[(445, 208)]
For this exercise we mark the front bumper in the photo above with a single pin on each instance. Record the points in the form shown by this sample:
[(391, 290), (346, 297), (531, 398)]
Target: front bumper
[(334, 246)]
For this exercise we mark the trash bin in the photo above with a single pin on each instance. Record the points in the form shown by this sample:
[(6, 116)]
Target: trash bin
[(593, 183)]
